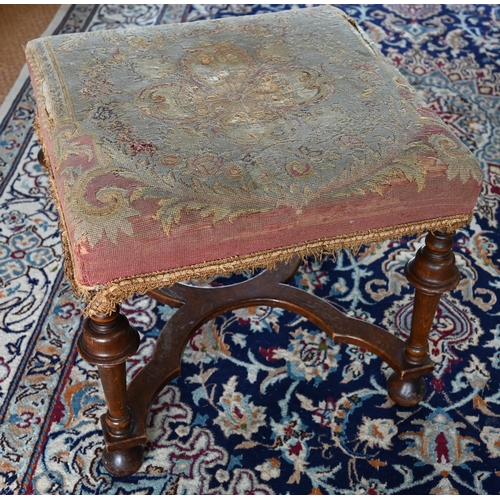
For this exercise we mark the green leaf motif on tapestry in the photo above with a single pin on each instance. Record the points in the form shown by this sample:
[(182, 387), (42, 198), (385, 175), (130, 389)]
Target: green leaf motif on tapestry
[(457, 157), (171, 210), (107, 217), (410, 163)]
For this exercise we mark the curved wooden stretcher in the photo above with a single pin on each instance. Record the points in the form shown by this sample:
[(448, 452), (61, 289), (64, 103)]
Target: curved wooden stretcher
[(108, 341)]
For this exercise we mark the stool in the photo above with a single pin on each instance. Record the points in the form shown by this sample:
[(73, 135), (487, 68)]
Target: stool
[(186, 151)]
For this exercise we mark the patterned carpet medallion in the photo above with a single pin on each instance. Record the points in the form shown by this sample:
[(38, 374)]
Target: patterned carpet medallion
[(266, 403)]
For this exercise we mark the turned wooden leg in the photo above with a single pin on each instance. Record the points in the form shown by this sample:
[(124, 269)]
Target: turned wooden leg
[(432, 272), (107, 341)]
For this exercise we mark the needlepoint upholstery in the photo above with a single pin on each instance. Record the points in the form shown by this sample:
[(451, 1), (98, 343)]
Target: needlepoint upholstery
[(187, 150)]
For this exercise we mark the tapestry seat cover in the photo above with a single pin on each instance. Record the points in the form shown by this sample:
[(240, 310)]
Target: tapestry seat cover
[(189, 150)]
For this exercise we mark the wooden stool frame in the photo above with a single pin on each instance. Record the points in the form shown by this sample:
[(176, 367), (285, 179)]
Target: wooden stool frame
[(108, 341)]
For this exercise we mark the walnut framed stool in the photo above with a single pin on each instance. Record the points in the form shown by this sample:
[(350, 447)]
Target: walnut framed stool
[(187, 151)]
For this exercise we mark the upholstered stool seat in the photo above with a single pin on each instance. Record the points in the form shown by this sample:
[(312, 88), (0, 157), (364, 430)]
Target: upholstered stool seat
[(191, 150)]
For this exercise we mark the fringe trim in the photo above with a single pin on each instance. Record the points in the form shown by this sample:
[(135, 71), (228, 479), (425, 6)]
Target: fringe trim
[(68, 256), (103, 299)]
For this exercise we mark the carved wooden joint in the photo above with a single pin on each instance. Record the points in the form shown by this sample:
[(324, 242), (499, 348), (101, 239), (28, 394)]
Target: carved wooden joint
[(433, 270)]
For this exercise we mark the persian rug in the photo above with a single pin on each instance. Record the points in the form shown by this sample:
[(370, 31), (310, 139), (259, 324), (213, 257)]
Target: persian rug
[(266, 403)]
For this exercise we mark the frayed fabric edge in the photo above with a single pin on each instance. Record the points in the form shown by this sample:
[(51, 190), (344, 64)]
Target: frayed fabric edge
[(103, 299), (68, 257)]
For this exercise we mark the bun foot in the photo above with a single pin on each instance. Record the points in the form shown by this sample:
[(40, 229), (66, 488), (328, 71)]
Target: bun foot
[(123, 462), (406, 392)]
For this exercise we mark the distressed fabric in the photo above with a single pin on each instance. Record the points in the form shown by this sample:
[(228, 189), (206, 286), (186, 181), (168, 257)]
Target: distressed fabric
[(180, 151)]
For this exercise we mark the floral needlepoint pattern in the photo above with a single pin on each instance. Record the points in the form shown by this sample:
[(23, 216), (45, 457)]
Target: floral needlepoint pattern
[(164, 139)]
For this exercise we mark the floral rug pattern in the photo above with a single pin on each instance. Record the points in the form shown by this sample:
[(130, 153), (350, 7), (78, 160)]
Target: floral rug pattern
[(266, 403)]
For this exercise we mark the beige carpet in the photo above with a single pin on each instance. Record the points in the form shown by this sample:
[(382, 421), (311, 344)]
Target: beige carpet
[(18, 24)]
